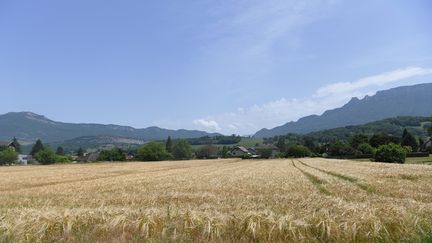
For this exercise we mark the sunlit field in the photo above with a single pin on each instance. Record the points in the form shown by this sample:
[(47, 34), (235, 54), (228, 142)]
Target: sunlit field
[(306, 200)]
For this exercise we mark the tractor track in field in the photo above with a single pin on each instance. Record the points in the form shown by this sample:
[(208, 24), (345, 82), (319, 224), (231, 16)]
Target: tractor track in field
[(316, 181), (355, 181)]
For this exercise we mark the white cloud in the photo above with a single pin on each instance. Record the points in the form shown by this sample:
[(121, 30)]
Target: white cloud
[(251, 119), (207, 124), (377, 80)]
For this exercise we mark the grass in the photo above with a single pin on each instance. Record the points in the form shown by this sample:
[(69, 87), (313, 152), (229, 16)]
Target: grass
[(217, 200), (419, 160)]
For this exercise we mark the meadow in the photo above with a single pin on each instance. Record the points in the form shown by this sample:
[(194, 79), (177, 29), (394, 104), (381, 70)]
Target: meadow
[(232, 200)]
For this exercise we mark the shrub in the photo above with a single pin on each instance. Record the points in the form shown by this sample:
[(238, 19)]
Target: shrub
[(8, 156), (390, 153), (298, 151), (153, 151)]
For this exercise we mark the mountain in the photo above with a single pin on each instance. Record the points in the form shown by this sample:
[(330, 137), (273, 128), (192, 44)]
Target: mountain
[(28, 126), (413, 100)]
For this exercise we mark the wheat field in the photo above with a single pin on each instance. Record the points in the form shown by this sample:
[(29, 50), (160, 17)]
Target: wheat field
[(306, 200)]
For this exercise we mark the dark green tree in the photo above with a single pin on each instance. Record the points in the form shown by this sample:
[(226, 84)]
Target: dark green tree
[(365, 148), (358, 139), (298, 151), (225, 152), (169, 145), (153, 151), (182, 150), (8, 156), (409, 140), (80, 152), (16, 145), (339, 148), (60, 150), (114, 154), (381, 139), (265, 153), (281, 144), (207, 152), (46, 156), (37, 147)]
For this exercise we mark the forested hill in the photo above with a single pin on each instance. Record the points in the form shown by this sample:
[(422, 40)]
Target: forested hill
[(413, 100), (390, 126), (28, 126)]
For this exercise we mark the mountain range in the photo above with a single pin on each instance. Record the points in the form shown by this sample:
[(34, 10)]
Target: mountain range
[(28, 127), (415, 100)]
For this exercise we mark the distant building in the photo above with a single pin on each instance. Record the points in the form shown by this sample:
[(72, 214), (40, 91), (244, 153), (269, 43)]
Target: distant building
[(240, 151), (90, 157), (427, 145), (24, 159), (7, 144)]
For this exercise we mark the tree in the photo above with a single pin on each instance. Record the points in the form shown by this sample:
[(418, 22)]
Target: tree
[(8, 156), (60, 150), (37, 147), (298, 151), (365, 148), (390, 153), (265, 153), (380, 139), (339, 148), (16, 145), (153, 151), (80, 152), (358, 139), (114, 154), (281, 144), (45, 156), (207, 152), (409, 140), (225, 152), (169, 145), (182, 150)]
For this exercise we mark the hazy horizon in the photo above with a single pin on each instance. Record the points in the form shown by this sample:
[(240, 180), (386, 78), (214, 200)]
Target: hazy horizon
[(218, 66)]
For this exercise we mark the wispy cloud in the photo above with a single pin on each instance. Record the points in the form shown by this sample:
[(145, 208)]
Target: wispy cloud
[(377, 80), (247, 31), (249, 120)]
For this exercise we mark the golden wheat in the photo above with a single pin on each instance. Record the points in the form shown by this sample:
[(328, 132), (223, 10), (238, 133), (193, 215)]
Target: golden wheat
[(306, 200)]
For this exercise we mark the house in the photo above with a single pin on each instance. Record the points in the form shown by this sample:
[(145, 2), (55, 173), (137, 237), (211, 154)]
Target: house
[(427, 145), (240, 151), (7, 144), (24, 159), (91, 157)]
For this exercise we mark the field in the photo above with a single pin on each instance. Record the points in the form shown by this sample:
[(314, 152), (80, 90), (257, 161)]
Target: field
[(306, 200)]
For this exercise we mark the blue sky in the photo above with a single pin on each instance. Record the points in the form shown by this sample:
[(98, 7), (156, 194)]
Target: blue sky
[(231, 66)]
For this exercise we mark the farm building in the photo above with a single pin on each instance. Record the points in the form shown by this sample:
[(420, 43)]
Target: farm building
[(7, 144), (240, 151)]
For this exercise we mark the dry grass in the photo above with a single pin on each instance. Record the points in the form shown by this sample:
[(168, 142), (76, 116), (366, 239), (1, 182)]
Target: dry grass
[(308, 200)]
